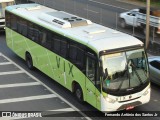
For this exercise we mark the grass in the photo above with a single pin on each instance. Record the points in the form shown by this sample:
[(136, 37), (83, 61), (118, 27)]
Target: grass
[(153, 4)]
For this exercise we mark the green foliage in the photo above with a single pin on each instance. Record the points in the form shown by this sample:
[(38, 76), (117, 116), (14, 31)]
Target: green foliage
[(153, 2)]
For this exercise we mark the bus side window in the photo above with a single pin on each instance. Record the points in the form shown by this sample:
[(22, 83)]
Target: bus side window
[(56, 45), (91, 69), (60, 45), (30, 31), (22, 26), (46, 40), (36, 34), (72, 53), (13, 22), (76, 55), (33, 32), (63, 51), (8, 19)]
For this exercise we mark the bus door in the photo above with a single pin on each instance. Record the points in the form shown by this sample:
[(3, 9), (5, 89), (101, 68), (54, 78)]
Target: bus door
[(90, 81)]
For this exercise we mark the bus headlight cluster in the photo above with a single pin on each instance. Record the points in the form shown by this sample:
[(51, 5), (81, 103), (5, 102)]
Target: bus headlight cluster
[(110, 100), (147, 91)]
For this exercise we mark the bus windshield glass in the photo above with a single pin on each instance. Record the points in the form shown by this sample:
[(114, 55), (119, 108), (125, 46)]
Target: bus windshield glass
[(125, 70), (2, 7)]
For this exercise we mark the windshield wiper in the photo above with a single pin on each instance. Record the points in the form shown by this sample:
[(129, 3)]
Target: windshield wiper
[(122, 81)]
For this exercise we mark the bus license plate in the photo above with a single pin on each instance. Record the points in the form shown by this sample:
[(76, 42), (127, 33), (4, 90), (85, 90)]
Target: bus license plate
[(129, 107)]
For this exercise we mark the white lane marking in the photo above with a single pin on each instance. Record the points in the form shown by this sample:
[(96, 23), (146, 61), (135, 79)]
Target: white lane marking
[(65, 109), (107, 4), (52, 91), (57, 111), (27, 98), (91, 10), (11, 72), (20, 84), (5, 63)]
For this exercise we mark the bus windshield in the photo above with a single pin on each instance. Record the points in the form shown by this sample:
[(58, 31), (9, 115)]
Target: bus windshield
[(2, 7), (125, 70)]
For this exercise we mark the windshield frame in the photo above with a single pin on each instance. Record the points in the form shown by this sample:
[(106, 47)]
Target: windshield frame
[(130, 90)]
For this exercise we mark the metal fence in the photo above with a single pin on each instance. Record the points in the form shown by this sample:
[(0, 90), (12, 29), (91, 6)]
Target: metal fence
[(101, 13)]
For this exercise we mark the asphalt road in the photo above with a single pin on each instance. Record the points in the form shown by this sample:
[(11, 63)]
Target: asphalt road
[(105, 12), (97, 12), (21, 92), (154, 104)]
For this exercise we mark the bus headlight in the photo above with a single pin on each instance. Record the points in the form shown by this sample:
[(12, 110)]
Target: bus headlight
[(110, 100), (147, 91)]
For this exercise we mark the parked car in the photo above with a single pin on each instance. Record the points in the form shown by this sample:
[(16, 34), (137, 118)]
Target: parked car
[(129, 18), (137, 18), (154, 65), (3, 4)]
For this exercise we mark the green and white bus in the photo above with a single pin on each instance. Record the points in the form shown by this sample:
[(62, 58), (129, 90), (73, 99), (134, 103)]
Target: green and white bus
[(3, 4), (104, 67)]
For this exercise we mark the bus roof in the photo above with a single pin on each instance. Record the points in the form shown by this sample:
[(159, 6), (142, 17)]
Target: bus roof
[(2, 1), (95, 36)]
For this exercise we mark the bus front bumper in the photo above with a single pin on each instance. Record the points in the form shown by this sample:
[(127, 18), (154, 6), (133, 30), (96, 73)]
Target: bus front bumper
[(115, 103)]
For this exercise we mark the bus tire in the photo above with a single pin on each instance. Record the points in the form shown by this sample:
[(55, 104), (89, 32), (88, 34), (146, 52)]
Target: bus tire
[(29, 61), (78, 93)]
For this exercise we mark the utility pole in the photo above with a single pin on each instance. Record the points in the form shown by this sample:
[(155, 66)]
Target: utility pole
[(147, 23)]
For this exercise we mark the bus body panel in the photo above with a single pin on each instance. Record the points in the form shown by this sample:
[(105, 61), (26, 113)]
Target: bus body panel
[(53, 65)]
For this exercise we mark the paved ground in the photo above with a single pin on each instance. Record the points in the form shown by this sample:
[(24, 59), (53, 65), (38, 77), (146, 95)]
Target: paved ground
[(105, 12), (20, 91)]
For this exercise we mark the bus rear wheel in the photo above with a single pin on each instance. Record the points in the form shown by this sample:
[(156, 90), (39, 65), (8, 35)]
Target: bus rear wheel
[(29, 61), (78, 93)]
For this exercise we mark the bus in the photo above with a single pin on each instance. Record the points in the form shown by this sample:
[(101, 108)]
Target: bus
[(106, 68), (3, 4)]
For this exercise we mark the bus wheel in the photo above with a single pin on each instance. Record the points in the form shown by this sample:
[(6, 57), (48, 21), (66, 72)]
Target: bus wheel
[(29, 61), (78, 93)]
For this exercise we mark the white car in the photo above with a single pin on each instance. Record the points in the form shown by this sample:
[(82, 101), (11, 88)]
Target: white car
[(129, 18), (154, 65)]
